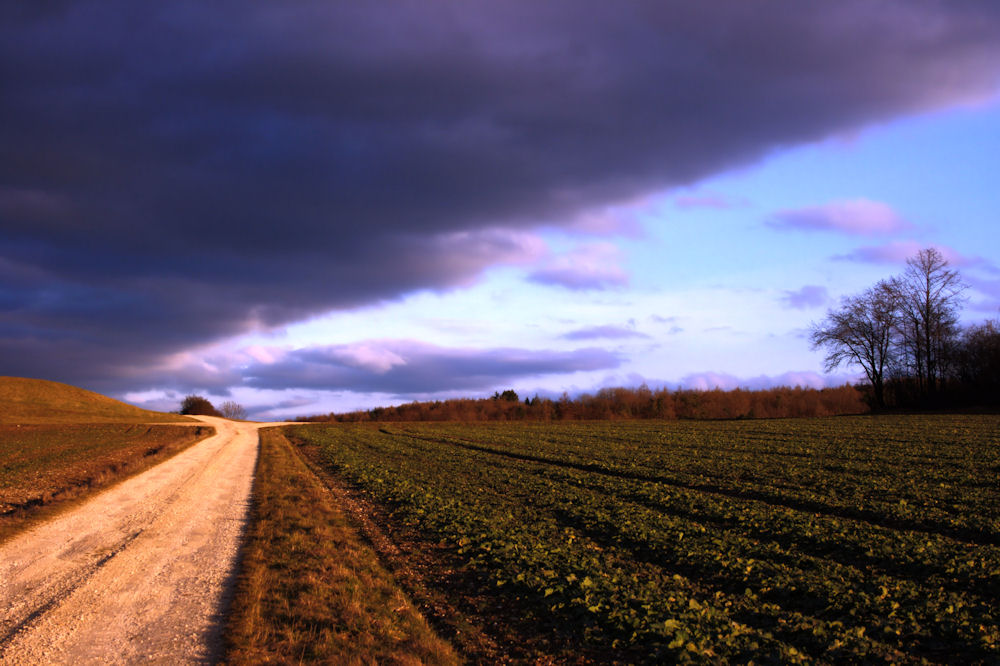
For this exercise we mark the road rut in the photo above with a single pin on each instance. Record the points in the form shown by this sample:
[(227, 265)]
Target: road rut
[(141, 572)]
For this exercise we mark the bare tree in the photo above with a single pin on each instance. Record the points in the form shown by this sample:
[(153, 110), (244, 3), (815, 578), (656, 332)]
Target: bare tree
[(930, 300), (861, 332), (233, 410), (978, 367)]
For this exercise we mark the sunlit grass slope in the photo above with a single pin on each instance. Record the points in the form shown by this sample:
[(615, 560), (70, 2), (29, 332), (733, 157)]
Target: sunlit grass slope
[(37, 401), (46, 467), (59, 444)]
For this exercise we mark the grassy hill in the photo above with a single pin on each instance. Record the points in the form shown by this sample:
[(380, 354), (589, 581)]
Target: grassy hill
[(38, 401)]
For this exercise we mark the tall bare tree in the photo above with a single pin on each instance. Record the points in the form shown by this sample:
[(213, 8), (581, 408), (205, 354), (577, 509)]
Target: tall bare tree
[(861, 332), (930, 300), (233, 410)]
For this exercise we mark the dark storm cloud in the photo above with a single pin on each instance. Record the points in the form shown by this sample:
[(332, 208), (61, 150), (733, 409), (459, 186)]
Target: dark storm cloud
[(406, 367), (177, 173)]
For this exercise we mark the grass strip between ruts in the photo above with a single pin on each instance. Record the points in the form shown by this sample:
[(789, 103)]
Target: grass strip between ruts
[(309, 588)]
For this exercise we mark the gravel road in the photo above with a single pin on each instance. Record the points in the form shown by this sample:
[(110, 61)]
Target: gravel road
[(140, 573)]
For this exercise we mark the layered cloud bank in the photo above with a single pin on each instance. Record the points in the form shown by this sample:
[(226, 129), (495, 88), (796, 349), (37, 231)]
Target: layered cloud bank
[(406, 368), (177, 175)]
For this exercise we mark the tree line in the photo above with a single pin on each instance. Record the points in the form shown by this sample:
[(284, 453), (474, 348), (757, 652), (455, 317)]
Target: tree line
[(623, 403), (196, 405), (904, 333)]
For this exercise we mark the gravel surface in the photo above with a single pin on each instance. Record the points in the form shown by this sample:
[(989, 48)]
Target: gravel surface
[(140, 573)]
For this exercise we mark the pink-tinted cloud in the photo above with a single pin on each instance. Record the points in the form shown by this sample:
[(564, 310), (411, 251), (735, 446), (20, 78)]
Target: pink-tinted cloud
[(897, 252), (706, 381), (262, 354), (809, 296), (619, 219), (464, 254), (709, 380), (861, 217), (590, 266), (375, 358)]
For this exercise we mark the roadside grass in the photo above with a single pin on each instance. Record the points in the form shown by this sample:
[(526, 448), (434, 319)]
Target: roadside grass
[(310, 589), (45, 468)]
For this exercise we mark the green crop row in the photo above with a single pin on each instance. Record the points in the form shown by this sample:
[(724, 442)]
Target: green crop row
[(778, 541)]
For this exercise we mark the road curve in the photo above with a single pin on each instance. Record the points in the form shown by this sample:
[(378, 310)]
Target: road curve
[(141, 572)]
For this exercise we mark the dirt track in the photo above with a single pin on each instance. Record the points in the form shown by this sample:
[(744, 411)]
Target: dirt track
[(138, 573)]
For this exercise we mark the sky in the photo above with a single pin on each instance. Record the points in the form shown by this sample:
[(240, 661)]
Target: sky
[(325, 206)]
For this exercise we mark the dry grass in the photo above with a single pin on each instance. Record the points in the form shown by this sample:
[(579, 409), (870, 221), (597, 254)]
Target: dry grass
[(34, 401), (44, 468), (310, 589)]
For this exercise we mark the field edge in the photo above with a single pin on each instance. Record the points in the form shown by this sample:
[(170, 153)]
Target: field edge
[(309, 588)]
